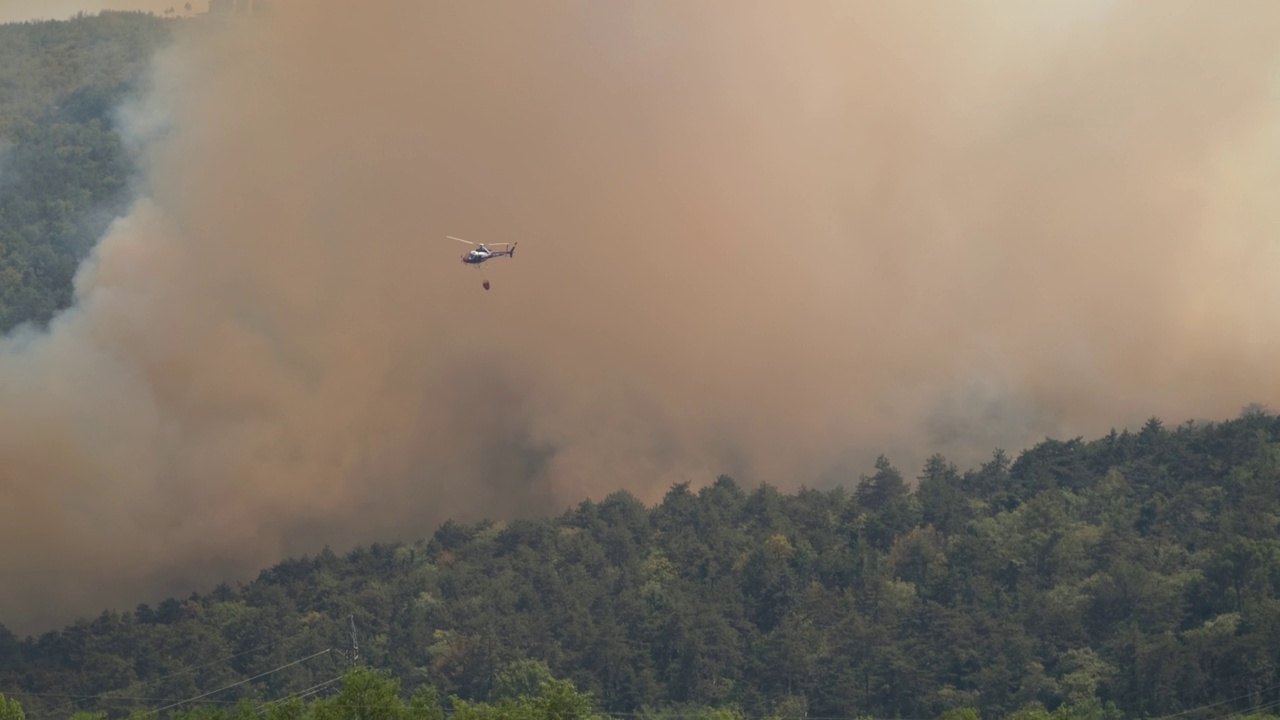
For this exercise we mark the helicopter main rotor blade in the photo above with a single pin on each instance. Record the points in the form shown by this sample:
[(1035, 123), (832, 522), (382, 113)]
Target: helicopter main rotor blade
[(461, 240)]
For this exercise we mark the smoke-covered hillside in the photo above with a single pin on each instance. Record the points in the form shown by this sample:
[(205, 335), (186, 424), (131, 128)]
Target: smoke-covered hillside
[(1137, 569), (771, 242), (65, 170)]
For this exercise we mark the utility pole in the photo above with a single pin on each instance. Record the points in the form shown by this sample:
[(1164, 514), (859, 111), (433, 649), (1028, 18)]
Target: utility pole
[(354, 657)]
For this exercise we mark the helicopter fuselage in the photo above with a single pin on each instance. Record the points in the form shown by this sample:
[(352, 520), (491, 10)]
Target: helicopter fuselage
[(475, 257)]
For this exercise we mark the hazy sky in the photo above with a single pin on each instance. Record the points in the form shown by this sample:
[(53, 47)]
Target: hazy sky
[(771, 239)]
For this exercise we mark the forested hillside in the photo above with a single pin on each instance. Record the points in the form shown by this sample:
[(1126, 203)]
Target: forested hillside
[(1138, 569), (64, 172)]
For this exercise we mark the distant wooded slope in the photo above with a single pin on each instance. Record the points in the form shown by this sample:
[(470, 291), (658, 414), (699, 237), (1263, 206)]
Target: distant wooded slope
[(64, 171)]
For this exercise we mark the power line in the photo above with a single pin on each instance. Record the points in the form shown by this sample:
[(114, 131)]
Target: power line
[(607, 714), (171, 648), (241, 682), (128, 698), (301, 693), (305, 692), (1228, 701)]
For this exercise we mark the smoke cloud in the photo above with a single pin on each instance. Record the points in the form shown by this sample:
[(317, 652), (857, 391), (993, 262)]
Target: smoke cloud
[(769, 239)]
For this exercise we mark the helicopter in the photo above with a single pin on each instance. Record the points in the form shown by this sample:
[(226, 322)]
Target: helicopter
[(482, 253)]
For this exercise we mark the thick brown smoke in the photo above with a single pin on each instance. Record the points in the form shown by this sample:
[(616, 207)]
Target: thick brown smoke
[(772, 239)]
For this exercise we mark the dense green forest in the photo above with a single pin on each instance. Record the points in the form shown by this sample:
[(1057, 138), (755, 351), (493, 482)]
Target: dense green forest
[(64, 170), (1131, 575)]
